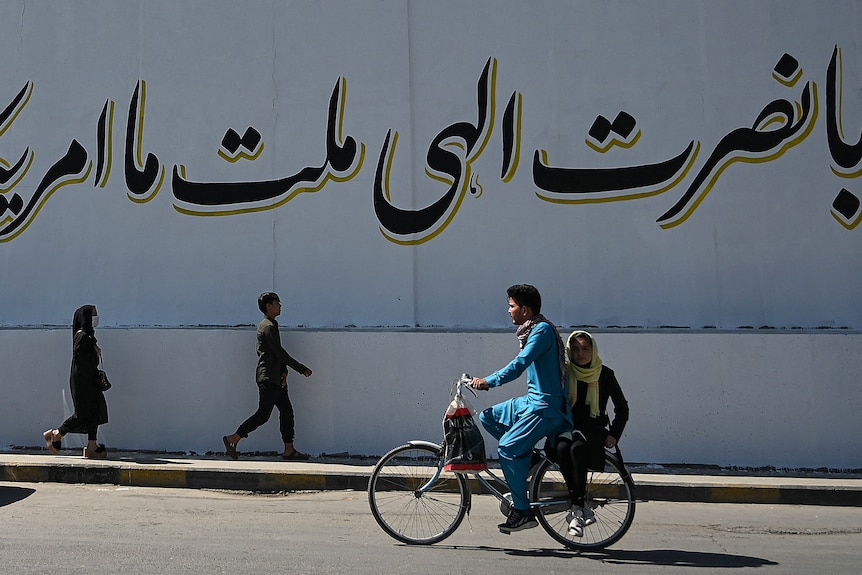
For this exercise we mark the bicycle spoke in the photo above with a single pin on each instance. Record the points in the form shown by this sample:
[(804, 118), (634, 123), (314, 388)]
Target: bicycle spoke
[(609, 496), (411, 500)]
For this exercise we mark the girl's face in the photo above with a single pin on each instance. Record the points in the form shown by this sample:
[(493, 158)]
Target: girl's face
[(582, 352)]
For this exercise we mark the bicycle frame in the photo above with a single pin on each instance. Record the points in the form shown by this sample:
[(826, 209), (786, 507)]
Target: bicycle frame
[(487, 479)]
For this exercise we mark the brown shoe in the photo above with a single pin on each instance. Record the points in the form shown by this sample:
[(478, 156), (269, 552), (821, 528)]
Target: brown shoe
[(52, 445), (230, 448), (99, 453), (295, 456)]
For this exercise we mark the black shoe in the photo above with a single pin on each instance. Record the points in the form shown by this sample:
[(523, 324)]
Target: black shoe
[(518, 521)]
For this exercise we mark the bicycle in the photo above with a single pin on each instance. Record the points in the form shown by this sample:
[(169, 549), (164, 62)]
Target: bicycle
[(416, 502)]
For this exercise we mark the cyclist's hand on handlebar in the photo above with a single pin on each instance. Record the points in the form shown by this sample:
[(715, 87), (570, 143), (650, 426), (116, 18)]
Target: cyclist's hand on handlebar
[(479, 383)]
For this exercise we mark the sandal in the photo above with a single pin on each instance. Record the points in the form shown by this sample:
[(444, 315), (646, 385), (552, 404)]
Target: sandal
[(295, 456), (53, 446), (230, 448)]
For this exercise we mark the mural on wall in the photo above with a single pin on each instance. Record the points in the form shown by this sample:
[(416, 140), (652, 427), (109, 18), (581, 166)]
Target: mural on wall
[(782, 124), (779, 126), (344, 158)]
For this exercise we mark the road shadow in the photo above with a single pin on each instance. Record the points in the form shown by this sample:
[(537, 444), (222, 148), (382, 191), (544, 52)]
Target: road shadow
[(10, 495), (663, 557)]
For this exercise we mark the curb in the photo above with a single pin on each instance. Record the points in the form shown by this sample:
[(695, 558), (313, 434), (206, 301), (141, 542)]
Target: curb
[(313, 476), (837, 496), (242, 480)]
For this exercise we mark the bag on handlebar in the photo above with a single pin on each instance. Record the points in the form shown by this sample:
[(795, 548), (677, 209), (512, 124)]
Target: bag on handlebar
[(464, 448)]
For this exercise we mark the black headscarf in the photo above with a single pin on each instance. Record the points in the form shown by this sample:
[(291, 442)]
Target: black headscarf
[(83, 319)]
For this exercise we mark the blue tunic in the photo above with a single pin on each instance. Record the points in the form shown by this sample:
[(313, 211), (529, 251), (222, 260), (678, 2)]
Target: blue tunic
[(519, 423), (540, 358)]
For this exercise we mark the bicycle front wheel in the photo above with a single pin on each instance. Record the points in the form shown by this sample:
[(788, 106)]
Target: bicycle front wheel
[(412, 499), (609, 493)]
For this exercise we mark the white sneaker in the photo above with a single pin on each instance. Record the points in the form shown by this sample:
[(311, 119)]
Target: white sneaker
[(578, 518), (589, 516), (576, 525), (586, 512), (571, 514)]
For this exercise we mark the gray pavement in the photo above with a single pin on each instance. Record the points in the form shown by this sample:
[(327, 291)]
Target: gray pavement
[(267, 473)]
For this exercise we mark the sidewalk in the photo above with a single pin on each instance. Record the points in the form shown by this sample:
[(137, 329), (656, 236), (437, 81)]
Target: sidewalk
[(267, 473)]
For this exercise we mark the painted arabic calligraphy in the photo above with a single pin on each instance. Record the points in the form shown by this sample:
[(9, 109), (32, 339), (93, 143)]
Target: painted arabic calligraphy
[(344, 158), (450, 161)]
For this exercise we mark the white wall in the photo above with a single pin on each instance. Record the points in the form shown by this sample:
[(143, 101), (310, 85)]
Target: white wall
[(751, 399), (761, 243), (762, 248)]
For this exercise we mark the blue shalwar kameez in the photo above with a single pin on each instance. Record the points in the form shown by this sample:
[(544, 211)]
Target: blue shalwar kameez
[(521, 422)]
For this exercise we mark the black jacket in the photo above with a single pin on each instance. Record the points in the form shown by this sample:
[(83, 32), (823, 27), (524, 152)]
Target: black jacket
[(609, 388)]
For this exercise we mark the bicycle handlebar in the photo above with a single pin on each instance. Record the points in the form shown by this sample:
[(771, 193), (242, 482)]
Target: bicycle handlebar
[(465, 381)]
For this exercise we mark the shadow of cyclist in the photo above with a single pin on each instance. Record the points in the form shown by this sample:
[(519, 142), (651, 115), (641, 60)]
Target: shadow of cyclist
[(665, 557)]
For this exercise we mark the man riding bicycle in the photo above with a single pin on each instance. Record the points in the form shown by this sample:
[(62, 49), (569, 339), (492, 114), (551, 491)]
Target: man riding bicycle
[(519, 423)]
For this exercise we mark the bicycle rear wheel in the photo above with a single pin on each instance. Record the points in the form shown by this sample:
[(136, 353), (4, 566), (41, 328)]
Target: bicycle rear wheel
[(412, 499), (609, 493)]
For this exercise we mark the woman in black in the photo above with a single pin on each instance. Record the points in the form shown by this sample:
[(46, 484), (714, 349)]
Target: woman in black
[(591, 384), (91, 410)]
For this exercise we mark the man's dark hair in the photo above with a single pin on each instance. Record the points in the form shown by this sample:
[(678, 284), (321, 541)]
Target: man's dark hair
[(265, 298), (526, 295)]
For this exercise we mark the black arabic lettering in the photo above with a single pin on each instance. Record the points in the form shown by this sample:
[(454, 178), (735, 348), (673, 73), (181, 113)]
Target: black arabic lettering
[(143, 180), (755, 144), (450, 167), (846, 156), (511, 137), (17, 172), (847, 209), (11, 208), (233, 146), (8, 180), (104, 139), (592, 185), (603, 133), (15, 205), (8, 115), (66, 170), (588, 185), (11, 175), (343, 160)]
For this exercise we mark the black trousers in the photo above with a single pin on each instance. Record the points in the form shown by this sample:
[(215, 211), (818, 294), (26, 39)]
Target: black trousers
[(74, 423), (91, 410), (573, 457), (271, 394)]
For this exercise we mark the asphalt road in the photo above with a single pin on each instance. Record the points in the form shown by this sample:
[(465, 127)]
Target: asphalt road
[(95, 529)]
